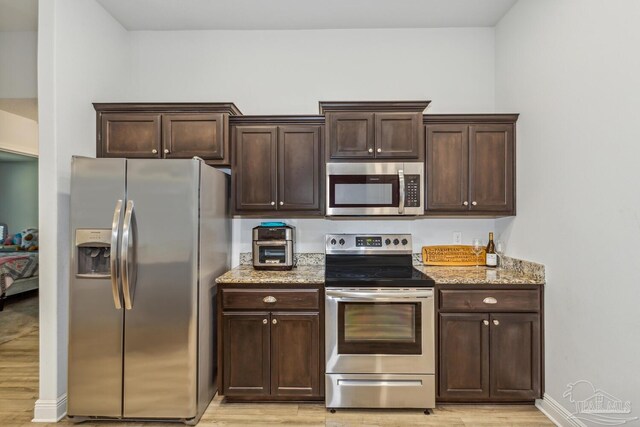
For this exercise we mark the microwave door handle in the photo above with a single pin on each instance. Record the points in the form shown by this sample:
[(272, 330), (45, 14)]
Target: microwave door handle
[(402, 192)]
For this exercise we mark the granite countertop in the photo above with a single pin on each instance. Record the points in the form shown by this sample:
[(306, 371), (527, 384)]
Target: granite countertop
[(479, 276), (307, 274)]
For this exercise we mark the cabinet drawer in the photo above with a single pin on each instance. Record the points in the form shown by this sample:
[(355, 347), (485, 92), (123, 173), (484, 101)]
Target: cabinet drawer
[(303, 299), (489, 300)]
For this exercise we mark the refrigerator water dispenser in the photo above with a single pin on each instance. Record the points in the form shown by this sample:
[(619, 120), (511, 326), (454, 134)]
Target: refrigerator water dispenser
[(93, 253)]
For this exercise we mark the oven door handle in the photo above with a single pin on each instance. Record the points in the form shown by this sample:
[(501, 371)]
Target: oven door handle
[(270, 243), (377, 295)]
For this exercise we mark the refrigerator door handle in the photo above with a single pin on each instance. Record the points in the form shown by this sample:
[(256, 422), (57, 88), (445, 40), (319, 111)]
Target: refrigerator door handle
[(128, 277), (115, 228)]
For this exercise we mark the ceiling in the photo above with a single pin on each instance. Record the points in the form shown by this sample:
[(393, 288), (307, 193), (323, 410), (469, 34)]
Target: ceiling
[(18, 15), (6, 156), (170, 15)]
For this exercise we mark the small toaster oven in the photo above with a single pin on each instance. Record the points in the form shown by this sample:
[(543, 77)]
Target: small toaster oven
[(273, 247)]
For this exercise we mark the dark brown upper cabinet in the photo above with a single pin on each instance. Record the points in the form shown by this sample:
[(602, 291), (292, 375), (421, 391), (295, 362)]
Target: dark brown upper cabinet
[(171, 131), (374, 130), (470, 165), (277, 169)]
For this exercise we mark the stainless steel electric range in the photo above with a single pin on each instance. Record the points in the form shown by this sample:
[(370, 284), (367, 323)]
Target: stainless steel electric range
[(379, 324)]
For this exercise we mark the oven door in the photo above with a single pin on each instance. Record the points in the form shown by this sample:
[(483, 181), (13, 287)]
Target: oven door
[(373, 188), (379, 331)]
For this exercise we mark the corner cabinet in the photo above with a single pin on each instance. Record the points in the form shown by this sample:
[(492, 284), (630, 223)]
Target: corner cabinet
[(490, 344), (270, 340), (170, 131), (470, 165), (374, 130), (277, 169)]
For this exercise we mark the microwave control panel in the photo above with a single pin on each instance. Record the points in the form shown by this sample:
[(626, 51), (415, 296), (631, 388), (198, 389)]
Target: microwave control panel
[(412, 185)]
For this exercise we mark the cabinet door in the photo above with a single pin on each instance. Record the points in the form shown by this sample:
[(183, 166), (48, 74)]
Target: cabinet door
[(515, 356), (133, 135), (398, 135), (447, 167), (351, 135), (464, 356), (188, 135), (491, 159), (299, 154), (295, 354), (255, 169), (246, 347)]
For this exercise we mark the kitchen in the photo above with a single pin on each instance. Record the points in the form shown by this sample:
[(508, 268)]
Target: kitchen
[(463, 71)]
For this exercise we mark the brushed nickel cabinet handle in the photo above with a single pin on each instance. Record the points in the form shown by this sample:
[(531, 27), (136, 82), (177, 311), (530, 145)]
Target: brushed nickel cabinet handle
[(166, 151), (269, 299), (465, 203), (490, 300), (485, 322), (265, 321), (154, 151), (273, 203), (281, 203), (379, 150), (371, 150), (496, 322), (474, 203), (274, 321)]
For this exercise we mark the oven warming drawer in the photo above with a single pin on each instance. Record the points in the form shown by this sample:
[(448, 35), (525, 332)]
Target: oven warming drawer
[(380, 391)]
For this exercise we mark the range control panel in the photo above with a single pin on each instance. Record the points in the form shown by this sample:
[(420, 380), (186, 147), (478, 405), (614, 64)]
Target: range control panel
[(412, 185), (368, 243)]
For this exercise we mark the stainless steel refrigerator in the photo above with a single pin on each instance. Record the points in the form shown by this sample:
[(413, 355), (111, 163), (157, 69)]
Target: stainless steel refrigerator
[(149, 238)]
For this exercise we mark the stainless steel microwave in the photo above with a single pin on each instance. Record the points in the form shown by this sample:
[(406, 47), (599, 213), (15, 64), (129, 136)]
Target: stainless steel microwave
[(382, 188)]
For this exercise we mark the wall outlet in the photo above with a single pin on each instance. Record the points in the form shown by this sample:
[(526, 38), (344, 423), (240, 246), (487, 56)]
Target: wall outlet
[(457, 237)]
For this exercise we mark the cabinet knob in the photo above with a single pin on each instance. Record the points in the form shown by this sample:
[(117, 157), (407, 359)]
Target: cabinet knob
[(379, 150), (474, 203), (465, 203), (490, 300), (281, 203), (166, 151), (269, 299), (371, 150), (496, 322), (273, 203), (154, 151), (274, 321), (485, 322), (265, 321)]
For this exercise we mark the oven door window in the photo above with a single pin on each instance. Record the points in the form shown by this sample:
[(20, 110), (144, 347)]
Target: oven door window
[(357, 191), (272, 254), (379, 328)]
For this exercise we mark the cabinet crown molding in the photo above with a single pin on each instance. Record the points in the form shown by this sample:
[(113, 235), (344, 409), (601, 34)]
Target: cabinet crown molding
[(382, 106), (169, 107)]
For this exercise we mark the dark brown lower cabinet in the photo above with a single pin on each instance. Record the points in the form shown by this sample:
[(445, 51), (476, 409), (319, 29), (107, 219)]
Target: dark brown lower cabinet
[(486, 356), (270, 355), (464, 340), (247, 344)]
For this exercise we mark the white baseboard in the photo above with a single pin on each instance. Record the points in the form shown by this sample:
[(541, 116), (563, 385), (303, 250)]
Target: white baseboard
[(50, 411), (557, 413)]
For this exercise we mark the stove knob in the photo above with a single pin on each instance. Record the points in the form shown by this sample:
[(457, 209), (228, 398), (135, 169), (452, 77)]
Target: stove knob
[(341, 242), (333, 241), (405, 241), (396, 241), (387, 242)]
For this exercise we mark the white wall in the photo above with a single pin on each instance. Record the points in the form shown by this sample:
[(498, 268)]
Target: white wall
[(288, 72), (571, 69), (19, 195), (310, 233), (18, 134), (83, 57), (18, 54)]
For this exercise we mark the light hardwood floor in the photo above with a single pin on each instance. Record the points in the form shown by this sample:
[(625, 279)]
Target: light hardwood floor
[(19, 389)]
